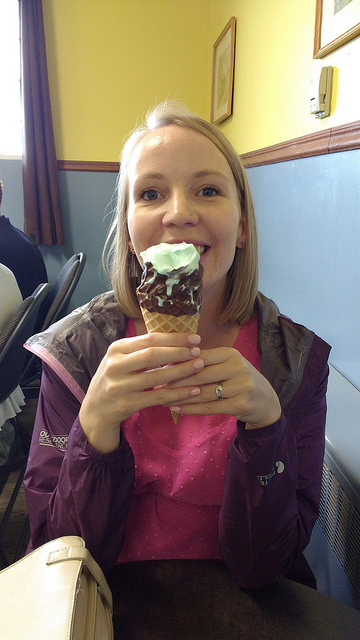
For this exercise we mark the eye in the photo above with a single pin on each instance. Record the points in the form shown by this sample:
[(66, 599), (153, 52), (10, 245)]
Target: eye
[(208, 192), (150, 194)]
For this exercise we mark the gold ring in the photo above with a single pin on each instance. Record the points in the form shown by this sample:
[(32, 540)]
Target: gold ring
[(218, 391)]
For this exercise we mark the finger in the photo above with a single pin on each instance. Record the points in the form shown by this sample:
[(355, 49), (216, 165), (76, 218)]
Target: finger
[(204, 408), (148, 340), (229, 400), (225, 365), (117, 364), (159, 378), (209, 376), (256, 404), (216, 393), (155, 350), (166, 398), (219, 355), (131, 402), (230, 396)]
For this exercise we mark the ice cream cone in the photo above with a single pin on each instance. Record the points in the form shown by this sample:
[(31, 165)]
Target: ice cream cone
[(165, 323), (175, 416), (169, 292)]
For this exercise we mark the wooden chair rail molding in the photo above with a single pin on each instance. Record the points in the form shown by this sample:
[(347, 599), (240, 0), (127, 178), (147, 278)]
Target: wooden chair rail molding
[(342, 138), (84, 165)]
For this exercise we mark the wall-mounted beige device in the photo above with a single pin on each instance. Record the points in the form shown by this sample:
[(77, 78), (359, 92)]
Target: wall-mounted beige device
[(320, 93)]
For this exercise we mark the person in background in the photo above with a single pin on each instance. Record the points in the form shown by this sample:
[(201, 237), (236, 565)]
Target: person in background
[(10, 295), (238, 478), (21, 255), (10, 300)]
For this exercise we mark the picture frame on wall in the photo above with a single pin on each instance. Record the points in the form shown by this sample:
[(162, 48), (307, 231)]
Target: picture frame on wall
[(223, 73), (336, 22)]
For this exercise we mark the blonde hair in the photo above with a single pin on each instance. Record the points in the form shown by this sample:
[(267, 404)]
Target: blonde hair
[(123, 267)]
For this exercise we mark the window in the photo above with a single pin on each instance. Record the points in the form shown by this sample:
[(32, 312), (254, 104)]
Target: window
[(10, 103)]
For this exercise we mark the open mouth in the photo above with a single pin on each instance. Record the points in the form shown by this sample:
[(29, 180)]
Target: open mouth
[(201, 248)]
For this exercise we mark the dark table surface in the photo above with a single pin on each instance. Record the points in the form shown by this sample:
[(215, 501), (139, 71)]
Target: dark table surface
[(198, 600)]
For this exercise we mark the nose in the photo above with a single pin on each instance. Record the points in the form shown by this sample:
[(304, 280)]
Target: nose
[(180, 210)]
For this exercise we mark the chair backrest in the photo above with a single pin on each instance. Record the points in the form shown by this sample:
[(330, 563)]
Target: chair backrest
[(53, 309), (13, 337), (61, 291)]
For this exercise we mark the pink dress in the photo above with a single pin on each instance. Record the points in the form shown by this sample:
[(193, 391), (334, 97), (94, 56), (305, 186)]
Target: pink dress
[(179, 475)]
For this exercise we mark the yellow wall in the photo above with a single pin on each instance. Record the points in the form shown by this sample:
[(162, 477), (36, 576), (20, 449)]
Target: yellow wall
[(273, 69), (110, 60)]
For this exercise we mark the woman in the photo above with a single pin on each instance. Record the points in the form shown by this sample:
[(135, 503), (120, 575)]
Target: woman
[(10, 300), (238, 478), (19, 253), (11, 297)]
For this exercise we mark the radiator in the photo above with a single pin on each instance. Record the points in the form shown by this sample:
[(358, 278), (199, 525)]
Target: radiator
[(339, 520)]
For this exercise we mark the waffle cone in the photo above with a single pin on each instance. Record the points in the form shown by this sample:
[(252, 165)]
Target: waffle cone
[(162, 322)]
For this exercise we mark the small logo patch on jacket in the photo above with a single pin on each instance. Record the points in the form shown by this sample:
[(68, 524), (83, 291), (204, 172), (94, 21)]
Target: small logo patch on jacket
[(278, 468), (48, 440)]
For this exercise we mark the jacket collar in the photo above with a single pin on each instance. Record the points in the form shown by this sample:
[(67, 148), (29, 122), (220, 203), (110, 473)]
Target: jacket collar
[(285, 347)]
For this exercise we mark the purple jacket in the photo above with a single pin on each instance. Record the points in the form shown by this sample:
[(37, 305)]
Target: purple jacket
[(272, 484)]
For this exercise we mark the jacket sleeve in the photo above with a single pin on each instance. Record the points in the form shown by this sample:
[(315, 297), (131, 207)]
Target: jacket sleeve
[(272, 491), (72, 489)]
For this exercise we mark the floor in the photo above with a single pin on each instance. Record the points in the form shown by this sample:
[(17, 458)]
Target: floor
[(16, 523), (18, 517)]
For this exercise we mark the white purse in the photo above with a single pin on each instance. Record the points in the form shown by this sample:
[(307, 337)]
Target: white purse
[(57, 592)]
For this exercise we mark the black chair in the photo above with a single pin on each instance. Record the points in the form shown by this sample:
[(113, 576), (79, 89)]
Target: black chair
[(54, 308), (12, 358), (57, 303), (14, 335)]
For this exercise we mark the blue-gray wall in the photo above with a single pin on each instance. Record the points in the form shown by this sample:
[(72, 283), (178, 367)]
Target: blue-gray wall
[(308, 215)]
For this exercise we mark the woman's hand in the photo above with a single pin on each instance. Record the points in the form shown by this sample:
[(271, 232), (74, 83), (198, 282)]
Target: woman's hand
[(134, 374), (247, 395)]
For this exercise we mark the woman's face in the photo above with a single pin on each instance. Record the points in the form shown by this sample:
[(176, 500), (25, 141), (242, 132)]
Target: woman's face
[(181, 189)]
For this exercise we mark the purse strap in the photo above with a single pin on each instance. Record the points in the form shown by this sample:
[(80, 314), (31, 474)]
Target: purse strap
[(83, 555)]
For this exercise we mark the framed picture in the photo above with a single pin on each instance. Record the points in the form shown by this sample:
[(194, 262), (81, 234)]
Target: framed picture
[(223, 73), (336, 22)]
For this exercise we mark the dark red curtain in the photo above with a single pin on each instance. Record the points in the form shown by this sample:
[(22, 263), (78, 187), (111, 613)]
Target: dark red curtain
[(43, 222)]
